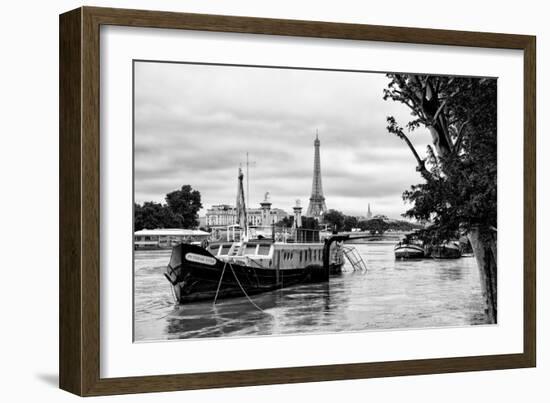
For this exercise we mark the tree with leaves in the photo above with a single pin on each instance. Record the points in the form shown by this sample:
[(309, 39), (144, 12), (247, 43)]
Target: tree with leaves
[(350, 222), (180, 211), (335, 219), (307, 222), (459, 189), (310, 223), (374, 226), (153, 215), (185, 204)]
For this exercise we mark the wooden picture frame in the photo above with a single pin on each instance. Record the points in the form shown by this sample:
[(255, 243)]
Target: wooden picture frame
[(79, 348)]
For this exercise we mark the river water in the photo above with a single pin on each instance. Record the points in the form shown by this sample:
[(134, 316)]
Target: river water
[(390, 295)]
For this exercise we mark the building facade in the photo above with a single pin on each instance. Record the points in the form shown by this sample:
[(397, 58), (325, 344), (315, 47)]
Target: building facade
[(223, 215)]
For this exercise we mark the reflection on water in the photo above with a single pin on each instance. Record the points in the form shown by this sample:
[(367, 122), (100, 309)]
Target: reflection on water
[(391, 295)]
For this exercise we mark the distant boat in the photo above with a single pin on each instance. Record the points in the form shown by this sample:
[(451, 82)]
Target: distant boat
[(447, 250), (409, 250)]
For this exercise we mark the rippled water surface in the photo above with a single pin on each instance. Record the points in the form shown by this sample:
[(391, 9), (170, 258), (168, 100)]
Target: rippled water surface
[(391, 295)]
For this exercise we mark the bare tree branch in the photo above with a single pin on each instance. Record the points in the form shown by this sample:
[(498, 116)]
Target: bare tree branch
[(398, 131)]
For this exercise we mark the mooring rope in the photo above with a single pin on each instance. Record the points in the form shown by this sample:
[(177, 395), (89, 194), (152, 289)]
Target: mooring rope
[(243, 290), (173, 293), (240, 286), (219, 284)]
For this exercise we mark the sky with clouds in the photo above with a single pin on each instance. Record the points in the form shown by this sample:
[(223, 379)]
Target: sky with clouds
[(195, 123)]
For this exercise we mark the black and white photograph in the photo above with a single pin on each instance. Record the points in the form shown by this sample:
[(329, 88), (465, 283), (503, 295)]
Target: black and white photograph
[(247, 201), (271, 200)]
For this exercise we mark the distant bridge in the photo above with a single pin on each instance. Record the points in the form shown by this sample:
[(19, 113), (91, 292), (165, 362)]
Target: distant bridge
[(366, 236)]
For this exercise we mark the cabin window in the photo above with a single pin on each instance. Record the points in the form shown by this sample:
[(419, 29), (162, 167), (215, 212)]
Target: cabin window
[(250, 249), (300, 256), (225, 249), (264, 249)]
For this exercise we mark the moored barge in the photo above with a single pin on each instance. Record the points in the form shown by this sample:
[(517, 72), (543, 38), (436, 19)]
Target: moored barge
[(409, 250), (251, 266), (236, 269), (446, 250)]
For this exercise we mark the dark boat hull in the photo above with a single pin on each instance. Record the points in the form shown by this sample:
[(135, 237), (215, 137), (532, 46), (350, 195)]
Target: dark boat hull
[(445, 252), (196, 275), (408, 251)]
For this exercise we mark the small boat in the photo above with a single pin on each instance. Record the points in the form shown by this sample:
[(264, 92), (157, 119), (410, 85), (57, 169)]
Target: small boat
[(446, 250), (409, 250), (251, 266)]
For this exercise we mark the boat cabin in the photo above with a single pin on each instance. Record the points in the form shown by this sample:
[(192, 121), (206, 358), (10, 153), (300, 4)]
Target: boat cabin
[(268, 254)]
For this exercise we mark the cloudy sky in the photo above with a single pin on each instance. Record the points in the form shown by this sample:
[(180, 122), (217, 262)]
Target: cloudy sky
[(195, 123)]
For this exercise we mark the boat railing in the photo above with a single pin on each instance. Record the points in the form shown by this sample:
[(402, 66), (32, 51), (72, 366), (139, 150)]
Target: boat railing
[(276, 233), (296, 235)]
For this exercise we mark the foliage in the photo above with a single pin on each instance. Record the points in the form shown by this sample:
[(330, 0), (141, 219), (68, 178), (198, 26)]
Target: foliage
[(185, 204), (350, 222), (179, 212), (286, 222), (400, 225), (153, 215), (310, 223), (460, 187), (335, 219), (307, 222), (347, 223), (374, 226)]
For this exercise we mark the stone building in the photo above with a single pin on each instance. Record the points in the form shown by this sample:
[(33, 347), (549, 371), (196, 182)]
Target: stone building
[(223, 215)]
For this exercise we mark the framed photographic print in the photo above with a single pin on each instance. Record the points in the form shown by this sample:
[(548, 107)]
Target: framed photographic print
[(249, 201)]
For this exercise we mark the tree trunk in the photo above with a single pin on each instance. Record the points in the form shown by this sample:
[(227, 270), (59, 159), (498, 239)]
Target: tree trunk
[(484, 245)]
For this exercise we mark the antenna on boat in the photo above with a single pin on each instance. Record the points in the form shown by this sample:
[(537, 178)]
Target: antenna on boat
[(240, 206)]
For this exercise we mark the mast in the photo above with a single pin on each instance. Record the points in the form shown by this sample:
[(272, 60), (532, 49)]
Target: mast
[(241, 207), (247, 182)]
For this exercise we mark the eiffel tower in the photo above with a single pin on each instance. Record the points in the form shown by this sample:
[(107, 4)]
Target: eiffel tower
[(317, 206)]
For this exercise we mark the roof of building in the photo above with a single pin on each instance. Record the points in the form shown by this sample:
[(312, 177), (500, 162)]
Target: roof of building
[(171, 231)]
